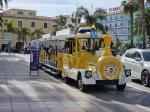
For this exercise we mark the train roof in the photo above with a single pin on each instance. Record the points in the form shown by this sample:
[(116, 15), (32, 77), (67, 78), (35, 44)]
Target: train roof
[(64, 37)]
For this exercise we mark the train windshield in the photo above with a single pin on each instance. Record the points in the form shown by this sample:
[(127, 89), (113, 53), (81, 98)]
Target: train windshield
[(91, 44)]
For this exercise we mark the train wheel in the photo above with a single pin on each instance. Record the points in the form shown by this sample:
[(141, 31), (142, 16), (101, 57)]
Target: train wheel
[(59, 74), (81, 86), (121, 87), (65, 79)]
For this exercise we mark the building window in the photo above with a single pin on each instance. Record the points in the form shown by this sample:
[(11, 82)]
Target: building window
[(115, 17), (121, 16), (110, 18), (32, 24), (20, 12), (20, 23), (115, 24), (31, 14), (110, 25), (120, 24), (45, 25)]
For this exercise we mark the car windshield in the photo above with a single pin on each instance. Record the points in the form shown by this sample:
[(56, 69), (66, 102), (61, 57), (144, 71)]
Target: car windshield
[(146, 56)]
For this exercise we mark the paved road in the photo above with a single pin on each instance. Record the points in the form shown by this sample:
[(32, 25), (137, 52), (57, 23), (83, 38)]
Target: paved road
[(20, 92)]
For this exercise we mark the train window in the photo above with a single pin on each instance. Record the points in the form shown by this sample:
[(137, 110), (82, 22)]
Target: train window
[(74, 45), (90, 45), (68, 47), (60, 45), (67, 44)]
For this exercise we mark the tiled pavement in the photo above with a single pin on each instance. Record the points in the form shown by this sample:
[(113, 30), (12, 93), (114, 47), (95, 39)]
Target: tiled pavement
[(20, 92)]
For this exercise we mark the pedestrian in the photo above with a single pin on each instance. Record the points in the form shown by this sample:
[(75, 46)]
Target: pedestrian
[(93, 32)]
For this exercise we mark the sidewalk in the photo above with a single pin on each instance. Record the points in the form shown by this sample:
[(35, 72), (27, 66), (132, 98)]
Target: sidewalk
[(25, 57), (20, 92)]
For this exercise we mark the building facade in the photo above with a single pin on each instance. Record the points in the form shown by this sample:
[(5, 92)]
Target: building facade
[(118, 24), (23, 19)]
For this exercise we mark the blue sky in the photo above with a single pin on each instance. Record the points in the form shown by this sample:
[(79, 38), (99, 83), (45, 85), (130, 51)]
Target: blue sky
[(65, 7)]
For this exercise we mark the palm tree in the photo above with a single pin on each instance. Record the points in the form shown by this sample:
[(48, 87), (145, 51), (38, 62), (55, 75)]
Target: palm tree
[(2, 4), (137, 30), (38, 33), (24, 33), (91, 19), (19, 44), (60, 21), (147, 20), (142, 11), (129, 8), (137, 24), (10, 27), (18, 32)]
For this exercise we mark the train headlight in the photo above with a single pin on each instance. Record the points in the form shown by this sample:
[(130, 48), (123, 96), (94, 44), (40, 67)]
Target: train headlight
[(128, 73), (88, 74)]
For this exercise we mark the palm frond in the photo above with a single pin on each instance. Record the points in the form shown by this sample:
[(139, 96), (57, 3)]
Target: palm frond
[(1, 19), (137, 30), (10, 27), (147, 15), (82, 12), (131, 6), (4, 2), (100, 13), (101, 28), (38, 32)]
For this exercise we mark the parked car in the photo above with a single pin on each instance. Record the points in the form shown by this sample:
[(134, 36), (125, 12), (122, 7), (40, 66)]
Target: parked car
[(138, 60)]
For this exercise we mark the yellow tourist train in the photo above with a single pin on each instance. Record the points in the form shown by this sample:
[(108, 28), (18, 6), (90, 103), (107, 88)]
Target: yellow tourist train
[(87, 60)]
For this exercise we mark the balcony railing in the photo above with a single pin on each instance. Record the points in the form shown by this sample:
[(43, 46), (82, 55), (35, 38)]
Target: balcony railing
[(124, 26), (114, 20)]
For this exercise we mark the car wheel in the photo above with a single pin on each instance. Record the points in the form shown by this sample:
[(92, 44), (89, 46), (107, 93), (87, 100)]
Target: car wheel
[(81, 86), (121, 87), (145, 78)]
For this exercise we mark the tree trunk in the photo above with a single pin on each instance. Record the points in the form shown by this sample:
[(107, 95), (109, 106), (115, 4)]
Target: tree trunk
[(148, 31), (142, 11), (23, 40), (131, 25)]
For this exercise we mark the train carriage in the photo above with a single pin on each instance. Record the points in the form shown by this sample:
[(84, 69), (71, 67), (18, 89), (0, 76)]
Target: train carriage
[(88, 61)]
